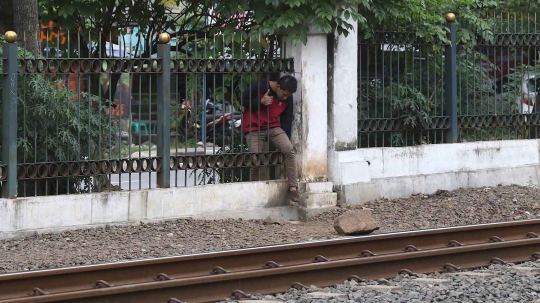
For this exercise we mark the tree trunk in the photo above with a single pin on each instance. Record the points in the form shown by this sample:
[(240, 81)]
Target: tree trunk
[(26, 23), (6, 16)]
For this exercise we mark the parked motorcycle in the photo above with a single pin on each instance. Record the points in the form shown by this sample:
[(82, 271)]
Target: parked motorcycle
[(181, 124), (222, 128)]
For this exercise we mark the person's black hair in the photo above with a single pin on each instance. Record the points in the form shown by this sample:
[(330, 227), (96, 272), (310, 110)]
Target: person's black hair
[(288, 83)]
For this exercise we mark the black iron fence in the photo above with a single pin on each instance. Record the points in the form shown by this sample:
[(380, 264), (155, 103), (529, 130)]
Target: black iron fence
[(412, 92), (86, 116)]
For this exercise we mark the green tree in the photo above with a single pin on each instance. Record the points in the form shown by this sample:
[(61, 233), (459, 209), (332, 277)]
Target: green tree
[(188, 18), (519, 6), (239, 21)]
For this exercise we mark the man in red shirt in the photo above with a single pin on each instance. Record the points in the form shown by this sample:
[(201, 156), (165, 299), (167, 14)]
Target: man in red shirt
[(268, 114)]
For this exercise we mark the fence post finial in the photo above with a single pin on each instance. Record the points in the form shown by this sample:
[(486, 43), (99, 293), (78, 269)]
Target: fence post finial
[(164, 38), (450, 17), (10, 36)]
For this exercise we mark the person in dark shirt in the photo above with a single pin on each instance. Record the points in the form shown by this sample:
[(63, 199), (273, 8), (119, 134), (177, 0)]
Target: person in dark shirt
[(268, 114)]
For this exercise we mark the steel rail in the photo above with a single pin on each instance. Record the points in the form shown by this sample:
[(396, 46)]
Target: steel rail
[(218, 287), (18, 285)]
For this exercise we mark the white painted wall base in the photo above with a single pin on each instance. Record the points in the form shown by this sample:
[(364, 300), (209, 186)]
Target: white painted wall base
[(314, 195), (372, 173), (403, 187), (255, 200), (316, 198)]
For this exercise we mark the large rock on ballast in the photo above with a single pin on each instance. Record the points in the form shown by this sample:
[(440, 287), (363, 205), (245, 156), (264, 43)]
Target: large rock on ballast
[(356, 222)]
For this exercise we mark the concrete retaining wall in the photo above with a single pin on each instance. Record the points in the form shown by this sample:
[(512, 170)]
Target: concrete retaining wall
[(255, 200), (360, 175), (371, 173)]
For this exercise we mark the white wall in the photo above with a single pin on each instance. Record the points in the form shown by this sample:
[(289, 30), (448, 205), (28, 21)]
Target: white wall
[(342, 96), (310, 127), (371, 173), (254, 200), (344, 103)]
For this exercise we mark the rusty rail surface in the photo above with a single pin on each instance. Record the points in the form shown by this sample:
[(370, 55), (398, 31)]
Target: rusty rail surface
[(215, 276)]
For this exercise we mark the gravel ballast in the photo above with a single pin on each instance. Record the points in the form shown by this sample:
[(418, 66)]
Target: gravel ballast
[(503, 284), (177, 237)]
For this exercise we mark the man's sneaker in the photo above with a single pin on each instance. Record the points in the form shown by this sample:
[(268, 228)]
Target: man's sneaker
[(294, 195)]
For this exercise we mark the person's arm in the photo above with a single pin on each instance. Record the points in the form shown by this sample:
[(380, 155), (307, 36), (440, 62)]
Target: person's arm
[(287, 117), (251, 97)]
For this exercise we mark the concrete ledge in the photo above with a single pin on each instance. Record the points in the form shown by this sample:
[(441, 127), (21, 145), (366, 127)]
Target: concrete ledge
[(318, 200), (405, 186), (316, 187), (432, 282), (305, 214), (365, 164), (472, 274), (255, 200), (527, 270), (382, 288)]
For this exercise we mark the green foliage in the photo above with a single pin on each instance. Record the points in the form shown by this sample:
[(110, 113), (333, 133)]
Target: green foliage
[(521, 6), (426, 18), (239, 20), (55, 125), (413, 109), (411, 89)]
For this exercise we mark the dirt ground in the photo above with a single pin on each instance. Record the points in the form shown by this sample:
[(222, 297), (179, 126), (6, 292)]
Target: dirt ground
[(177, 237)]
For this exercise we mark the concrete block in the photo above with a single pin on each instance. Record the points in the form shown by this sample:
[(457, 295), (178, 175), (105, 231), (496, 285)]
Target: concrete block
[(247, 200), (481, 275), (405, 186), (527, 270), (381, 288), (355, 172), (399, 187), (137, 205), (8, 215), (181, 204), (325, 295), (43, 212), (537, 168), (523, 175), (154, 204), (360, 193), (110, 207), (316, 187), (318, 200), (305, 214), (443, 158), (429, 281), (278, 192)]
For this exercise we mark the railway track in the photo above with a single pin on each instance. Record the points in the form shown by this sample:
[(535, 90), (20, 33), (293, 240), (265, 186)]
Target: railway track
[(212, 277)]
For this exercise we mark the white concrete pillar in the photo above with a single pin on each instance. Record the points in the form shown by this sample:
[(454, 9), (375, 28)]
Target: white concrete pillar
[(342, 99), (310, 125)]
